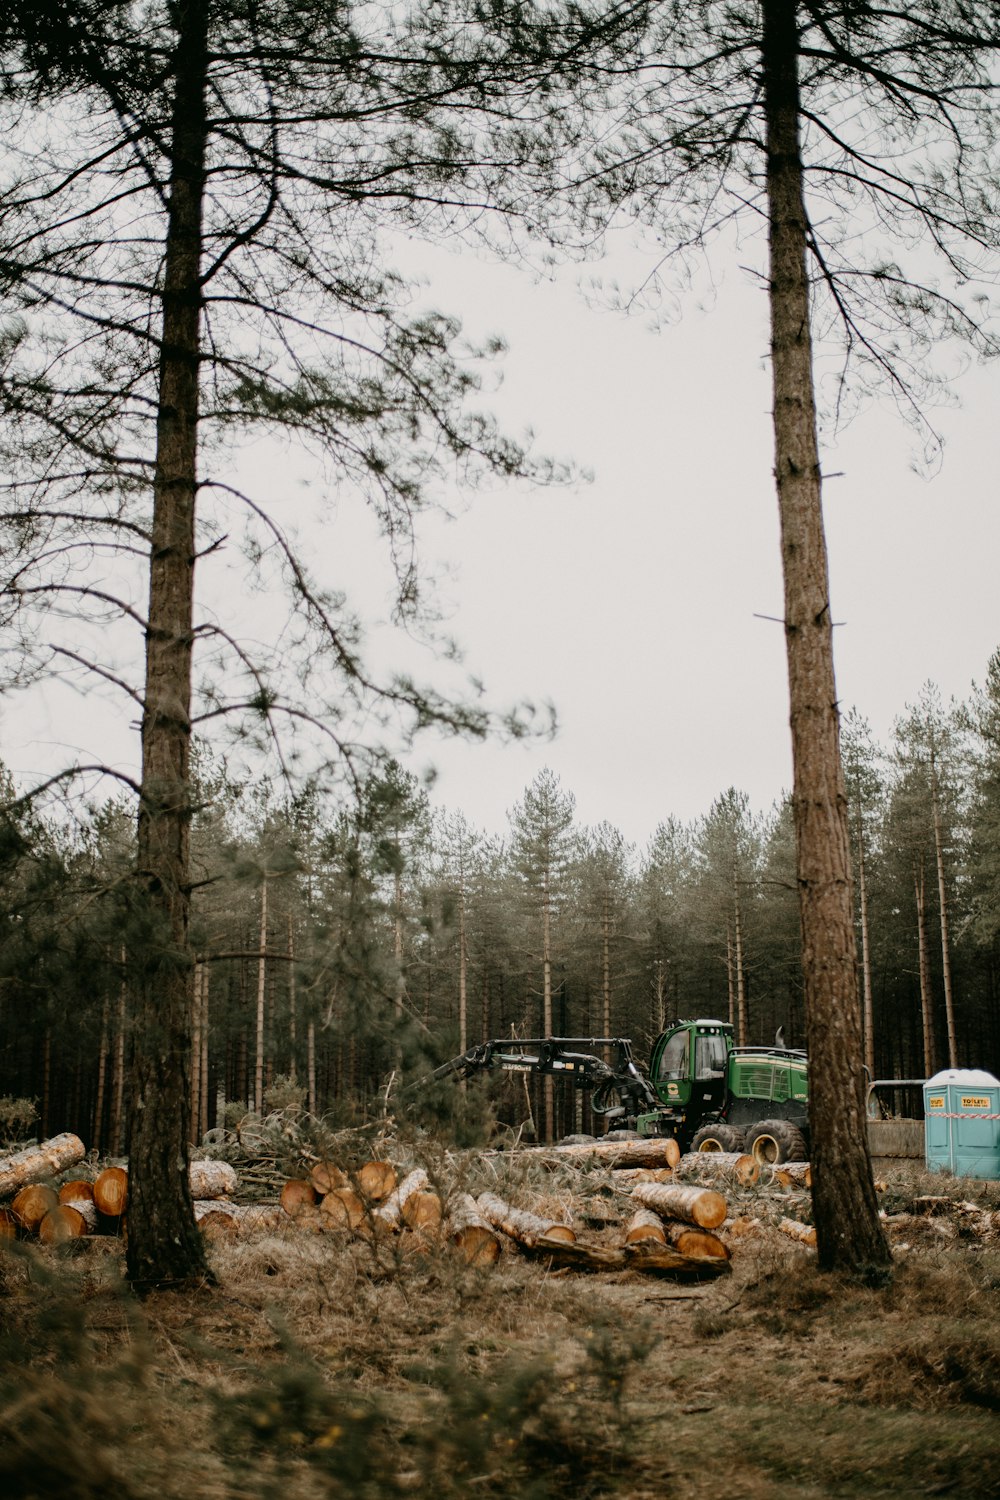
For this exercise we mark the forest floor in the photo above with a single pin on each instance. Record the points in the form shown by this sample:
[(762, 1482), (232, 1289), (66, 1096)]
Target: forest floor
[(323, 1367)]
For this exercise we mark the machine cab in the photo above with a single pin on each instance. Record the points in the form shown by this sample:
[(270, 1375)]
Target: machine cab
[(688, 1065)]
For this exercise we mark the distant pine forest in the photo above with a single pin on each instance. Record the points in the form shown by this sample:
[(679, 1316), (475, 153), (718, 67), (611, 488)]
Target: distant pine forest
[(343, 950)]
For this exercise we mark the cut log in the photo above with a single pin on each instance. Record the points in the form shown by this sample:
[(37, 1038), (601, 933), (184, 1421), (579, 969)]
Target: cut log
[(64, 1222), (35, 1162), (655, 1151), (469, 1232), (792, 1174), (111, 1191), (31, 1205), (212, 1179), (376, 1180), (8, 1225), (712, 1166), (297, 1195), (804, 1233), (217, 1224), (625, 1178), (667, 1260), (698, 1244), (700, 1206), (645, 1225), (390, 1213), (521, 1226), (325, 1177), (575, 1255), (80, 1189), (422, 1210), (86, 1208), (342, 1208), (243, 1216)]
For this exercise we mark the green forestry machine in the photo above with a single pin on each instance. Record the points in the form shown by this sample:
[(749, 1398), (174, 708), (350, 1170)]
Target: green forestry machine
[(702, 1089)]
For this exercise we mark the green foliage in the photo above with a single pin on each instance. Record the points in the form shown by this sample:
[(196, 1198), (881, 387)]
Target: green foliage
[(284, 1095), (16, 1117)]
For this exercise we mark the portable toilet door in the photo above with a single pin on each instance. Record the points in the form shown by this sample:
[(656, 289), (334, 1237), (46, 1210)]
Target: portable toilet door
[(962, 1123)]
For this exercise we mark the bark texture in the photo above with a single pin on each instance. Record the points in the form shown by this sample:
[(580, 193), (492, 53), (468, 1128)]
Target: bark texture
[(845, 1207), (164, 1246)]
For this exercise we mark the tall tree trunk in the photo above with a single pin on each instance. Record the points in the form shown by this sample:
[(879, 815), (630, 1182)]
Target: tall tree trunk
[(741, 986), (291, 1000), (867, 1007), (311, 1066), (117, 1130), (463, 974), (102, 1068), (849, 1235), (606, 965), (730, 978), (46, 1109), (203, 1111), (548, 1090), (924, 963), (165, 1247), (949, 999), (193, 1136), (258, 1076), (397, 945), (660, 997)]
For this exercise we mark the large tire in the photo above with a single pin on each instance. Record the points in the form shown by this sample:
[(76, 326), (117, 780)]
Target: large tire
[(773, 1141), (717, 1138)]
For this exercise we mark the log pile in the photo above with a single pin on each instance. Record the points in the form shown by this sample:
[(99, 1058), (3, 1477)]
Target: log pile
[(666, 1225), (82, 1206), (612, 1206)]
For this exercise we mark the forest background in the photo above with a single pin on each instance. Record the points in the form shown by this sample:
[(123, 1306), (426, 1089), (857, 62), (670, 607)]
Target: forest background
[(345, 950)]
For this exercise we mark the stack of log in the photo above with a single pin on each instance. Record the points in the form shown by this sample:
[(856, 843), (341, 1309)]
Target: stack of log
[(674, 1218), (675, 1237), (84, 1206)]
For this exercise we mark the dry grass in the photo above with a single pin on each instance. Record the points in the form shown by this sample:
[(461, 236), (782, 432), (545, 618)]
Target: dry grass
[(322, 1367)]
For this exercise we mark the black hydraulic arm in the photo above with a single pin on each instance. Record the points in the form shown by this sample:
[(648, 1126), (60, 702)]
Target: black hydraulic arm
[(573, 1058)]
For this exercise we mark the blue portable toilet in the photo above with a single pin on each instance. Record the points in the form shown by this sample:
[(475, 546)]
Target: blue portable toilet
[(962, 1123)]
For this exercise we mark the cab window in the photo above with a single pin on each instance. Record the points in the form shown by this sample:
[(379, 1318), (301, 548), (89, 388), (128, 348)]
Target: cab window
[(674, 1057), (709, 1056)]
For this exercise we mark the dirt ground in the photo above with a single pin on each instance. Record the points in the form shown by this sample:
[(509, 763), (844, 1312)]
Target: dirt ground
[(321, 1366)]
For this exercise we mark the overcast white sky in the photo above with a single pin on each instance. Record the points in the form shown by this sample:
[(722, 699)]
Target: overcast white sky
[(632, 602)]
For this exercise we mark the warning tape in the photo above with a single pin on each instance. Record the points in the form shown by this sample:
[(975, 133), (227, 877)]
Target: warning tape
[(939, 1114)]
